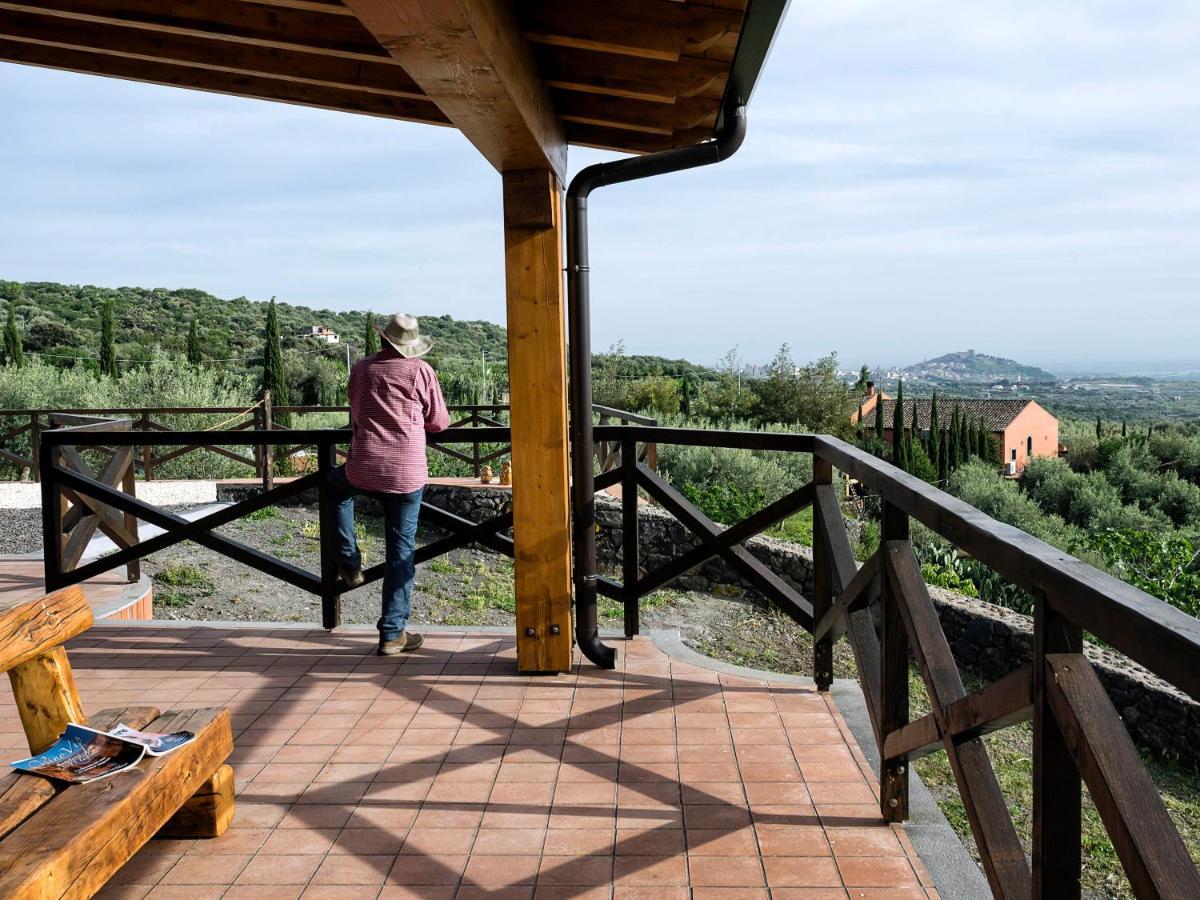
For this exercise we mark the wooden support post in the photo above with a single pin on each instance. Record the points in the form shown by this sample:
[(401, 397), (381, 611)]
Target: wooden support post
[(133, 570), (822, 583), (52, 517), (47, 700), (35, 440), (1057, 785), (630, 563), (893, 669), (209, 811), (533, 240)]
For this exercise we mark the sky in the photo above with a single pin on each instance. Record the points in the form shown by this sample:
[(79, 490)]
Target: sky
[(1021, 178)]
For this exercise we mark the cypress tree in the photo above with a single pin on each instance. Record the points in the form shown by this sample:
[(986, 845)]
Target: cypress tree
[(966, 441), (14, 352), (879, 420), (981, 440), (108, 346), (195, 356), (898, 426), (370, 337), (914, 438), (935, 435), (1124, 429), (274, 379), (1099, 429), (952, 438)]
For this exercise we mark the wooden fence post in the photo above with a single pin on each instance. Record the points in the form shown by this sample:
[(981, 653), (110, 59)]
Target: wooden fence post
[(630, 562), (35, 446), (822, 581), (893, 677), (331, 598), (268, 454), (147, 450), (1057, 786)]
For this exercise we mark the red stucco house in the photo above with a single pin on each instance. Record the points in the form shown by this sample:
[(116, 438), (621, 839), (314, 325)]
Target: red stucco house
[(1022, 429)]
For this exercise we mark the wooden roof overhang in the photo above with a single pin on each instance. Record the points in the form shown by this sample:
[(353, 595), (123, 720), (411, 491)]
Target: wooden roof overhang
[(521, 78)]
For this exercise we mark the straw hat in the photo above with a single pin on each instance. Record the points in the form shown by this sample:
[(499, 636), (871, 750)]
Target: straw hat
[(404, 334)]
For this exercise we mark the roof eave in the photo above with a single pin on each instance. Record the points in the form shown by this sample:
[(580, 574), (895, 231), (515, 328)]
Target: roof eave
[(760, 25)]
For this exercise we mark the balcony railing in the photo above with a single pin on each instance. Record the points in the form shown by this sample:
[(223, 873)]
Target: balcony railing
[(883, 608)]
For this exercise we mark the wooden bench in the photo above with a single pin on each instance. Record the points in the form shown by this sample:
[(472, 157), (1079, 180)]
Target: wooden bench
[(67, 840)]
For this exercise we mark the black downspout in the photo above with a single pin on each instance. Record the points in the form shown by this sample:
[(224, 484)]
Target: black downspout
[(583, 499)]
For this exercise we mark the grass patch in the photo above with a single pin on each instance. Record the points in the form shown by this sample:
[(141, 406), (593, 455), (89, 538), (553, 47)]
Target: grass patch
[(173, 599), (186, 575), (797, 528), (259, 515)]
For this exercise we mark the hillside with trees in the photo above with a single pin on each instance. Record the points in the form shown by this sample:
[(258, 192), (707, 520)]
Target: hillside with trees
[(969, 366)]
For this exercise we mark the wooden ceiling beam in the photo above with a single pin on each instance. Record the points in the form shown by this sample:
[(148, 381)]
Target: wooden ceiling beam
[(469, 58), (606, 138), (306, 29), (384, 76), (240, 85), (636, 115), (654, 29), (630, 76)]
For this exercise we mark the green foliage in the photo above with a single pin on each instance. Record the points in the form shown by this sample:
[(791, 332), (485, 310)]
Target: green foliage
[(1167, 566), (934, 448), (898, 428), (14, 353), (108, 345), (185, 575), (370, 336), (723, 502), (656, 394), (813, 396), (274, 378), (195, 354)]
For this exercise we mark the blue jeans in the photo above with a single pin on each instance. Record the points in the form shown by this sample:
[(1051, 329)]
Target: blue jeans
[(400, 512)]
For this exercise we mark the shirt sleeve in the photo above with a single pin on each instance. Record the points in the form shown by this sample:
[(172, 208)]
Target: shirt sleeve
[(437, 418)]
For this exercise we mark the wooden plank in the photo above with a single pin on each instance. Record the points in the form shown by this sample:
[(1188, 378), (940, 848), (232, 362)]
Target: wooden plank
[(1057, 784), (208, 813), (650, 117), (538, 384), (22, 794), (382, 75), (858, 594), (589, 71), (311, 30), (1156, 635), (262, 88), (822, 578), (1000, 850), (47, 699), (1005, 702), (860, 629), (760, 576), (655, 29), (29, 629), (735, 534), (893, 675), (74, 845), (468, 57), (1145, 838)]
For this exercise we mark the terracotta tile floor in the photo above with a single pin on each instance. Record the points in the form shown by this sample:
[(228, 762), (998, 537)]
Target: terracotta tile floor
[(445, 774)]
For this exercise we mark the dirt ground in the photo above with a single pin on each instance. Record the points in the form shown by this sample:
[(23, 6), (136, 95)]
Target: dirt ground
[(465, 587)]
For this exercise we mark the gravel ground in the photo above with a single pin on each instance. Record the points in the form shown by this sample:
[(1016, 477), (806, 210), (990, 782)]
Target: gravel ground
[(22, 530)]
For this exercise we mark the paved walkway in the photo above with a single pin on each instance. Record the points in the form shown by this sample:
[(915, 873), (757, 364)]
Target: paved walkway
[(445, 774)]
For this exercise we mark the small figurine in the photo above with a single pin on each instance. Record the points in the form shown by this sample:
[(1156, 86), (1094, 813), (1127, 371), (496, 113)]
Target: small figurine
[(506, 473), (485, 475)]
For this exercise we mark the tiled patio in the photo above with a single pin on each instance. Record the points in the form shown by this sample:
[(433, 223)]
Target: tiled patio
[(445, 774)]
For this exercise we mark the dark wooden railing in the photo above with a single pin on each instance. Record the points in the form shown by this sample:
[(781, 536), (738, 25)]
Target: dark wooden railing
[(263, 416), (882, 607), (884, 610)]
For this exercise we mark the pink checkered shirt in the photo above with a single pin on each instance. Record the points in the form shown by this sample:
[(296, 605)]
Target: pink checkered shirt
[(394, 401)]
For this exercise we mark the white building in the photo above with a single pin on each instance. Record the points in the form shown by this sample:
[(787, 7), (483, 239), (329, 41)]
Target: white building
[(321, 333)]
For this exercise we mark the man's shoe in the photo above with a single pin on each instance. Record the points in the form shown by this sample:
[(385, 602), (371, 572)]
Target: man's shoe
[(351, 577), (403, 644)]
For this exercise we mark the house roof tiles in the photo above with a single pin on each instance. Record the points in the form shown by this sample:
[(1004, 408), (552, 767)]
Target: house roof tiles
[(996, 414)]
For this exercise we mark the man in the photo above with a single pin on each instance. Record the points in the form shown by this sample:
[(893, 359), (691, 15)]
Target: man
[(395, 399)]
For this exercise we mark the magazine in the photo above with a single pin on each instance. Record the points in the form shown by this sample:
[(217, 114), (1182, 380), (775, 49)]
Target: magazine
[(83, 754), (156, 744)]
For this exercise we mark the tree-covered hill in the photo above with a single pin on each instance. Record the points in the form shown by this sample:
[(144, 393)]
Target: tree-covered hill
[(64, 320), (969, 366)]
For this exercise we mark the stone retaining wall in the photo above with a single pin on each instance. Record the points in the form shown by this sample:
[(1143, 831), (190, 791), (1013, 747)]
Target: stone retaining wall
[(987, 640)]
